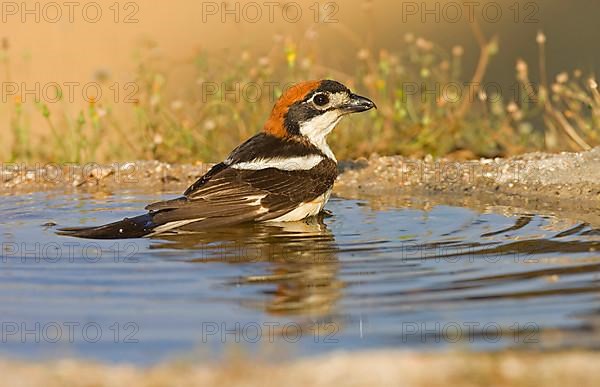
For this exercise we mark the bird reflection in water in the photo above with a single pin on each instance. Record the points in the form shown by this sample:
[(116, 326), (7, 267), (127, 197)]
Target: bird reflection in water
[(302, 257)]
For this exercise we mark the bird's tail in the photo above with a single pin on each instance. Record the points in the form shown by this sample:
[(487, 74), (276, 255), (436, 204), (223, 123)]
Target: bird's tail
[(137, 227)]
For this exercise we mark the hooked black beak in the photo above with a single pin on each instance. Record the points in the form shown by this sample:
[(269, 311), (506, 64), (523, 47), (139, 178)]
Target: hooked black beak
[(358, 104)]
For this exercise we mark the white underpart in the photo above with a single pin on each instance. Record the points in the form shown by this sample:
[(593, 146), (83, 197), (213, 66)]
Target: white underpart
[(305, 210), (317, 129), (303, 163)]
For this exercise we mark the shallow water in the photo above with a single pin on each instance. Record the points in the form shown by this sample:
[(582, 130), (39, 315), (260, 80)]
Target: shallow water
[(360, 278)]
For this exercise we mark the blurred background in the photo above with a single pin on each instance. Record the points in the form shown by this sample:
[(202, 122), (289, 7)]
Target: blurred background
[(188, 80)]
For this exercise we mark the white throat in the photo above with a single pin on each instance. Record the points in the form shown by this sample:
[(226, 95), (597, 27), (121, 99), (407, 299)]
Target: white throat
[(317, 129)]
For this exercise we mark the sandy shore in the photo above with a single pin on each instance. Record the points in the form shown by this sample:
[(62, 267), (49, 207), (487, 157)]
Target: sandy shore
[(380, 368), (566, 184)]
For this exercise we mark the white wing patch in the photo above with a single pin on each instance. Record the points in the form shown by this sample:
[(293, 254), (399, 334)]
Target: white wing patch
[(303, 163), (172, 225)]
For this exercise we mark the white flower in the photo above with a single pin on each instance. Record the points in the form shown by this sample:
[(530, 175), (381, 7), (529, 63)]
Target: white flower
[(363, 54), (458, 50), (311, 34), (176, 105), (540, 38), (562, 77), (210, 125), (424, 44), (264, 61), (154, 100)]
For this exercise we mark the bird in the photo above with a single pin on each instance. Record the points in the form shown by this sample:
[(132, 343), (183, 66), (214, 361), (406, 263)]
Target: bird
[(285, 173)]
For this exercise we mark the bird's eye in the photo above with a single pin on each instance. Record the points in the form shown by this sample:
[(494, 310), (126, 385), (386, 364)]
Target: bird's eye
[(321, 99)]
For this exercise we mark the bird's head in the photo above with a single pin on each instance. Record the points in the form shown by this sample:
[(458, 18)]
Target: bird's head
[(311, 110)]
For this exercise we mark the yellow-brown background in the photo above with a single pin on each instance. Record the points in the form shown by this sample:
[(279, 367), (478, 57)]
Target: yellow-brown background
[(76, 52)]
